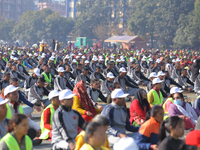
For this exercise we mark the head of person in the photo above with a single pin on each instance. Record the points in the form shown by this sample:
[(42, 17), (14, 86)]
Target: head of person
[(19, 124), (95, 135), (98, 69), (141, 97), (118, 97), (161, 75), (115, 85), (138, 68), (192, 139), (184, 72), (166, 74), (95, 83), (41, 61), (79, 66), (110, 76), (44, 65), (109, 66), (3, 108), (61, 62), (6, 76), (103, 120), (66, 98), (9, 64), (122, 72), (11, 93), (47, 69), (178, 99), (54, 98), (153, 75), (61, 71), (85, 71), (157, 113), (14, 82), (68, 68), (36, 73), (174, 125), (41, 82), (177, 65), (14, 68), (19, 61), (157, 83)]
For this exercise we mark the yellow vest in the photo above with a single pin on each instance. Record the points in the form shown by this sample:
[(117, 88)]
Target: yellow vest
[(9, 113), (46, 77), (12, 143), (157, 100), (166, 115), (45, 132)]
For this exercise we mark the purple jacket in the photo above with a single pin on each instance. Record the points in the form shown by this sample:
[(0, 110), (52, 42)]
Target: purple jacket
[(173, 110)]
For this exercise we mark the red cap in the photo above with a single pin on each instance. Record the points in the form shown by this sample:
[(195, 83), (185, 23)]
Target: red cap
[(193, 138)]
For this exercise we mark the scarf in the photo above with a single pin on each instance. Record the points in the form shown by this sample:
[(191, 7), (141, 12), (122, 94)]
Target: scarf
[(143, 102), (81, 92), (189, 112)]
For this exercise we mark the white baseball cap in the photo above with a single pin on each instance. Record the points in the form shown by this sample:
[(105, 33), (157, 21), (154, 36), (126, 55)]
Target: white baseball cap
[(100, 59), (87, 62), (66, 94), (126, 143), (37, 71), (178, 59), (61, 69), (2, 101), (143, 59), (175, 89), (10, 89), (30, 55), (112, 56), (35, 54), (83, 57), (112, 60), (118, 93), (15, 58), (12, 53), (156, 80), (153, 74), (74, 60), (72, 54), (94, 59), (122, 69), (150, 59), (122, 59), (53, 94), (118, 60), (77, 56), (51, 59), (158, 60), (160, 73), (42, 56), (173, 60), (67, 57), (12, 57), (110, 75)]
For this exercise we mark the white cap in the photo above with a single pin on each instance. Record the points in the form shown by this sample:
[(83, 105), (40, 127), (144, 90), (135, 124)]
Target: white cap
[(158, 60), (87, 62), (72, 54), (65, 94), (94, 59), (12, 57), (15, 58), (42, 56), (122, 69), (175, 89), (37, 71), (83, 57), (150, 59), (122, 59), (35, 54), (118, 93), (30, 55), (156, 80), (143, 59), (112, 60), (77, 56), (126, 143), (67, 57), (173, 60), (160, 73), (8, 48), (12, 53), (118, 60), (74, 60), (53, 53), (100, 59), (10, 89), (178, 59), (153, 74), (61, 69), (51, 59), (112, 56), (53, 94), (2, 101), (110, 75)]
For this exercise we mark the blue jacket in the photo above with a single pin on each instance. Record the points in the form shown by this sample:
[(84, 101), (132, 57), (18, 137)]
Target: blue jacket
[(23, 99), (26, 64), (119, 121)]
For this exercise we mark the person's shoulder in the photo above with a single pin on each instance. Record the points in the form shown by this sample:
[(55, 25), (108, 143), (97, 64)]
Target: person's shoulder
[(107, 109)]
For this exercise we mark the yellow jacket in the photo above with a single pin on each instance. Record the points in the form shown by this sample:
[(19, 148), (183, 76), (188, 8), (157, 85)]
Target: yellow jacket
[(79, 141), (41, 47), (78, 106), (88, 147)]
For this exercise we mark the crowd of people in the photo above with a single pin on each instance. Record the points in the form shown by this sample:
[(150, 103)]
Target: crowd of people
[(82, 95)]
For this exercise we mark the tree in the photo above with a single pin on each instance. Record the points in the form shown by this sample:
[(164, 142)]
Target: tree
[(5, 29)]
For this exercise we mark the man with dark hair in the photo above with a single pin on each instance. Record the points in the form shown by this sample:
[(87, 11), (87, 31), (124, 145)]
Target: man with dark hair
[(77, 71), (8, 67), (48, 77), (5, 82), (109, 69), (21, 69), (94, 93), (97, 75), (83, 76), (36, 93)]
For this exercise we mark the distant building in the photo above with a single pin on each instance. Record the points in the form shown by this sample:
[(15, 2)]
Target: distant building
[(13, 9), (56, 7), (71, 8)]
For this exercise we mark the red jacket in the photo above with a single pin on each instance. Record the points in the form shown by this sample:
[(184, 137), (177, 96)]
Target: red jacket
[(136, 113)]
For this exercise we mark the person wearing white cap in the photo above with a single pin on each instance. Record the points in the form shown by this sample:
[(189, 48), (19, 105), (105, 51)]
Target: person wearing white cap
[(125, 84), (101, 64), (31, 61), (118, 65), (60, 82), (164, 88), (31, 80), (184, 81), (123, 63), (73, 64), (107, 84), (144, 65), (46, 123), (155, 96), (170, 100), (35, 58), (66, 122), (97, 74), (118, 117), (93, 63), (126, 144), (152, 76), (3, 120), (11, 94)]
